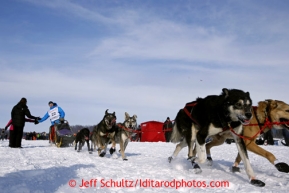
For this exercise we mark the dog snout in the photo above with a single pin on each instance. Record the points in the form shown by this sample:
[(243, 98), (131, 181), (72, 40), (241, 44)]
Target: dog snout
[(248, 115)]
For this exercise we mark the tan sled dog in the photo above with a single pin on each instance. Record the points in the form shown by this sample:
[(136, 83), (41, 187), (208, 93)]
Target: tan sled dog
[(272, 110), (123, 134)]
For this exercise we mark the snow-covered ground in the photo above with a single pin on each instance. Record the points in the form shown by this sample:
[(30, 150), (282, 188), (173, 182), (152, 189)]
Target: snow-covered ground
[(39, 168)]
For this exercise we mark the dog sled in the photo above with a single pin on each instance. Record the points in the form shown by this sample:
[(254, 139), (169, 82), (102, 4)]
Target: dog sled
[(61, 134)]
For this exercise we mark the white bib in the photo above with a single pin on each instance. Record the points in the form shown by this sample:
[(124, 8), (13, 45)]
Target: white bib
[(54, 114)]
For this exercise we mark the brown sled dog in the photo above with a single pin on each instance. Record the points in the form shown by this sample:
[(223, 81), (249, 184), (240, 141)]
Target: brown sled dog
[(274, 111)]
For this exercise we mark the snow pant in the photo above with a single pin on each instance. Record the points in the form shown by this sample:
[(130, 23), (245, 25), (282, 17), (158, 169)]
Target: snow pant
[(18, 133), (168, 135)]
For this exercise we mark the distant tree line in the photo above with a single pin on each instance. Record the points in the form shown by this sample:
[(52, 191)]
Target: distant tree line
[(76, 128)]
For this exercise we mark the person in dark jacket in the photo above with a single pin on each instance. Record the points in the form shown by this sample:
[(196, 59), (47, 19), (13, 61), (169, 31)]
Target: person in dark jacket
[(167, 128), (18, 113)]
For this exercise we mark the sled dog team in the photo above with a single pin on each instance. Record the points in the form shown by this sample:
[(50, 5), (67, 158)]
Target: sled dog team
[(216, 116), (106, 131)]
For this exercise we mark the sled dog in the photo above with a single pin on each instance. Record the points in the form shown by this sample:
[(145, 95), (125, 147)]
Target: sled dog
[(268, 111), (81, 137), (209, 116), (104, 132), (123, 133)]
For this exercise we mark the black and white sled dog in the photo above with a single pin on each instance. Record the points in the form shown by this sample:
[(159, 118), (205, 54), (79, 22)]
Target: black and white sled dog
[(81, 137), (104, 132), (209, 116), (123, 133)]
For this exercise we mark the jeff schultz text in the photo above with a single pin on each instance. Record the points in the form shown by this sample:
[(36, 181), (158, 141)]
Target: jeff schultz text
[(148, 183)]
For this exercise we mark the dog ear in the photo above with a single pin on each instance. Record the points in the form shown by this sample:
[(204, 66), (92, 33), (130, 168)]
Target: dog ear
[(226, 92), (273, 104), (269, 100), (134, 116), (113, 113), (106, 112), (261, 110), (248, 94), (126, 116)]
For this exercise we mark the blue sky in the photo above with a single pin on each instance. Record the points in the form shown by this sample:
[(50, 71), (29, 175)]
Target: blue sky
[(147, 58)]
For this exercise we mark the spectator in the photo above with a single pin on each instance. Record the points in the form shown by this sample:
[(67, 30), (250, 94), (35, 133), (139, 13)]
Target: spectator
[(18, 113), (167, 128)]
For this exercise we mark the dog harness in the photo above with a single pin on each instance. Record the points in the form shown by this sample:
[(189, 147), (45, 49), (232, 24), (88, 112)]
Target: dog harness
[(266, 124), (188, 109)]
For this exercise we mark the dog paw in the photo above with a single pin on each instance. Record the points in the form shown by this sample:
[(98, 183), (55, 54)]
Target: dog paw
[(125, 159), (111, 151), (235, 169), (90, 152), (170, 159), (196, 169), (209, 161), (102, 154), (258, 183), (190, 158), (195, 166), (282, 167), (78, 150)]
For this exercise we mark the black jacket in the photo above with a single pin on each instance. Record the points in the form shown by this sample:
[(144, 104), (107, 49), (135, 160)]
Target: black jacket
[(167, 125), (18, 114)]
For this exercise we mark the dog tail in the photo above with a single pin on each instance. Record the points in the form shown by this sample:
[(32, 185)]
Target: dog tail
[(176, 135)]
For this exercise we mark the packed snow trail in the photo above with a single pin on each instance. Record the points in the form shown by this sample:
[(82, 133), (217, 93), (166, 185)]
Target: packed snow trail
[(39, 167)]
